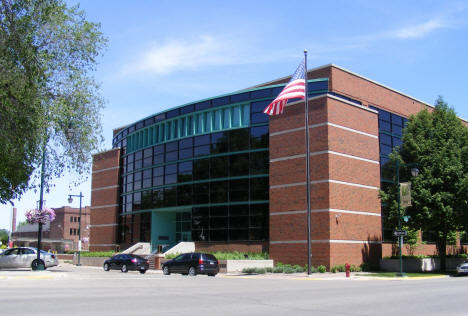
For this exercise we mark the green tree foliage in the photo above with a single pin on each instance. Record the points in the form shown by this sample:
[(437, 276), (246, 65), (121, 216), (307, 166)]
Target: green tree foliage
[(48, 52), (4, 236), (437, 142)]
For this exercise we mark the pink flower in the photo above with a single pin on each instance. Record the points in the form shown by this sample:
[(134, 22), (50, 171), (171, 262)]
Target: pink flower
[(44, 216)]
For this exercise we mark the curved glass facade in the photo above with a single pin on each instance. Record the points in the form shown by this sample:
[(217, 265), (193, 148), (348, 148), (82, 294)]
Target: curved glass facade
[(199, 172)]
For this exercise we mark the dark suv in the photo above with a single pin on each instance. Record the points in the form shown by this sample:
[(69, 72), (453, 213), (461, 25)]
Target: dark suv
[(126, 262), (192, 264)]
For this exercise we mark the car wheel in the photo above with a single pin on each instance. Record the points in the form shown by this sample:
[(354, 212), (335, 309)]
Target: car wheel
[(106, 267), (192, 271), (166, 270), (37, 265), (124, 268), (142, 271)]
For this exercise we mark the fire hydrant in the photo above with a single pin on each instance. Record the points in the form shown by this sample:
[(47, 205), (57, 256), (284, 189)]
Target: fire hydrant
[(347, 267)]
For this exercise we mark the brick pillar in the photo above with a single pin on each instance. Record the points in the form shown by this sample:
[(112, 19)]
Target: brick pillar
[(105, 200), (344, 175)]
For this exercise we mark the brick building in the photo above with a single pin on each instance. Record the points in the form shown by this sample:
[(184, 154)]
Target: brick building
[(60, 235), (221, 173)]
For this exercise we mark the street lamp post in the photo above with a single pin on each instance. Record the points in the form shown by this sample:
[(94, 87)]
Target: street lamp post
[(70, 200), (414, 173)]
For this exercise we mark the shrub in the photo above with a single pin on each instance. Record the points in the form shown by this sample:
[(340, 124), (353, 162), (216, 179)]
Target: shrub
[(298, 268), (278, 269), (269, 269), (333, 269), (364, 267), (312, 269), (236, 255), (248, 270), (97, 253), (260, 270), (322, 269), (289, 270), (354, 268)]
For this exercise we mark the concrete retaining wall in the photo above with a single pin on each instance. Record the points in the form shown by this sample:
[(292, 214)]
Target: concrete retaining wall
[(90, 261), (419, 265), (239, 265)]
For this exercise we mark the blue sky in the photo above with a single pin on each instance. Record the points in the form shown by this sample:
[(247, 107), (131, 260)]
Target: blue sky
[(163, 54)]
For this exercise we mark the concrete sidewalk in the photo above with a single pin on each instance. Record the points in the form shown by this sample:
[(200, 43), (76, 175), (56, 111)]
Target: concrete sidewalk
[(64, 269), (325, 276)]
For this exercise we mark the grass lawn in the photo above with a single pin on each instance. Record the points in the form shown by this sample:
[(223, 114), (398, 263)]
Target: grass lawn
[(409, 274)]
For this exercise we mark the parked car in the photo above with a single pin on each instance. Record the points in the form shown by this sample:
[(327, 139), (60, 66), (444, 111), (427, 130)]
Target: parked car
[(126, 262), (25, 257), (192, 264), (463, 268)]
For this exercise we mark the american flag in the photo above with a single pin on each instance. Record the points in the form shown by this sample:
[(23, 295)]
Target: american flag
[(293, 90)]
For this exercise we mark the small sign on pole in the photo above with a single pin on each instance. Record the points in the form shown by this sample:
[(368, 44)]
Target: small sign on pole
[(398, 233), (405, 194)]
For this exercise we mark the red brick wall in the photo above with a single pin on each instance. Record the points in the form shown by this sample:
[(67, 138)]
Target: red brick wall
[(104, 200), (344, 162), (255, 247)]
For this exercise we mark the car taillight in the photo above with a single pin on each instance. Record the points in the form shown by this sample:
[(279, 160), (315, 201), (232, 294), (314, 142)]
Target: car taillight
[(53, 256), (147, 261), (134, 260), (200, 261)]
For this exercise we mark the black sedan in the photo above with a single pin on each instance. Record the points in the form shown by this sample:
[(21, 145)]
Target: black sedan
[(125, 262), (192, 264)]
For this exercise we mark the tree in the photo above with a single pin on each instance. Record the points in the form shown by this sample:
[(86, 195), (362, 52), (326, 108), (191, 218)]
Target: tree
[(437, 142), (4, 236), (48, 52)]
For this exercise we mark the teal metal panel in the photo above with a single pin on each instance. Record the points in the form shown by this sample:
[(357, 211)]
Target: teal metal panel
[(163, 223), (199, 123)]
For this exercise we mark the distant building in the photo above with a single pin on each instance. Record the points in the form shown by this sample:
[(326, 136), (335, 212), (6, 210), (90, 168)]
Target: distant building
[(60, 235)]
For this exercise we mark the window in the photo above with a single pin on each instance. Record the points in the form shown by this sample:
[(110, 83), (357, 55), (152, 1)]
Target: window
[(238, 165), (219, 143), (219, 167), (239, 139), (239, 190), (185, 171), (184, 195), (71, 219), (219, 192), (201, 193), (259, 188), (201, 169), (259, 106), (259, 162), (71, 231), (259, 137)]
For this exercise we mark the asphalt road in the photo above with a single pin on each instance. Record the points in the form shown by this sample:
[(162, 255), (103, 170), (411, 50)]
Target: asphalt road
[(87, 291)]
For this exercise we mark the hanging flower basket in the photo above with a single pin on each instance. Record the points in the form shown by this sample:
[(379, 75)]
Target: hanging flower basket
[(44, 216)]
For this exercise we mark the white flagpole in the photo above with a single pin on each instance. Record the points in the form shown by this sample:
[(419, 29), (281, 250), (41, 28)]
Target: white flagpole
[(306, 101)]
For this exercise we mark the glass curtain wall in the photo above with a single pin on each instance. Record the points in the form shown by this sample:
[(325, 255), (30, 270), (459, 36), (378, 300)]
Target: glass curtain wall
[(211, 157)]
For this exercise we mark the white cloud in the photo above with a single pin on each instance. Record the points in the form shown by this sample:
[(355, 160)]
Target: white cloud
[(419, 30), (175, 55)]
